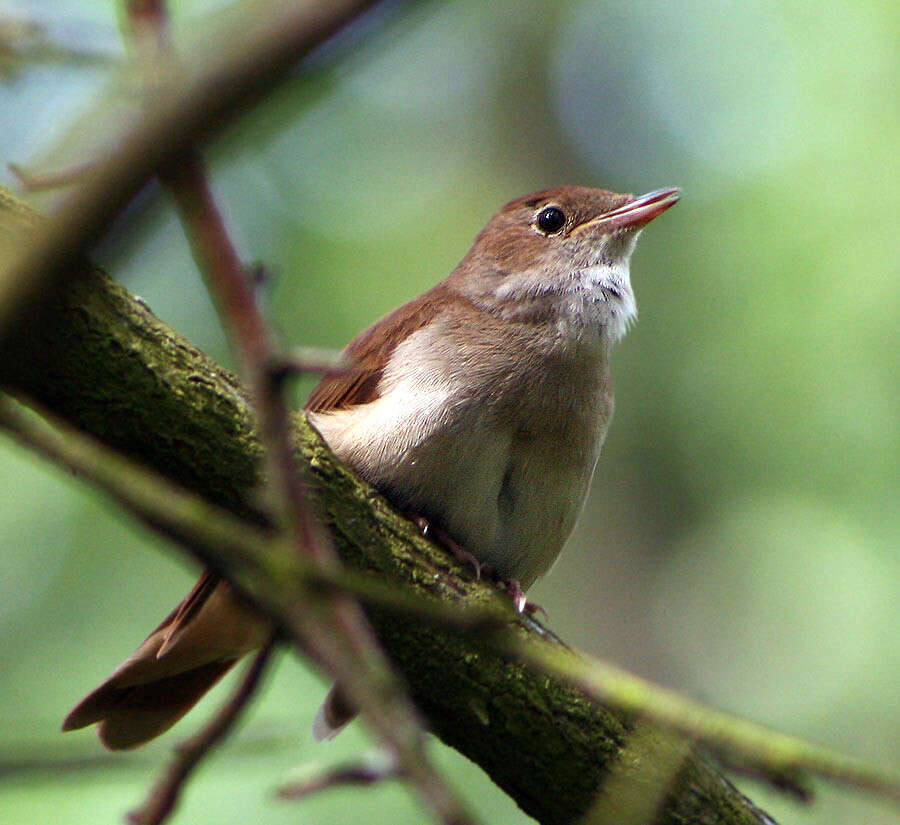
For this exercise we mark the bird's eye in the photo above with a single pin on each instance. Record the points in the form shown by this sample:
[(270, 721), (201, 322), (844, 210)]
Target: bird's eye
[(551, 220)]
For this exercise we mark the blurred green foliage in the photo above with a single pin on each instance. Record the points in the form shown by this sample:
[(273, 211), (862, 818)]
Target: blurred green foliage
[(740, 542)]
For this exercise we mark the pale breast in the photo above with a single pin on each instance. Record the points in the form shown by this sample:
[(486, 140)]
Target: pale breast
[(552, 456), (494, 441)]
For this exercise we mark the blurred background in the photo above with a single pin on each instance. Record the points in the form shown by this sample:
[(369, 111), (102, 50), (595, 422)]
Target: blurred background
[(740, 541)]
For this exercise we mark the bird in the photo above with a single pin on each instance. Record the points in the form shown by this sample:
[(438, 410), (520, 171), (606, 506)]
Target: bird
[(481, 406)]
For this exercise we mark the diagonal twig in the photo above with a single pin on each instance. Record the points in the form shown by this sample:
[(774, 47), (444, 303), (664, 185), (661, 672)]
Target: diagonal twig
[(251, 557), (336, 629), (261, 45), (378, 767), (307, 360), (739, 743), (164, 795)]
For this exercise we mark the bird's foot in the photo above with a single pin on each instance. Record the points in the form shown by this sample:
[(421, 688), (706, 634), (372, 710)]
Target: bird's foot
[(443, 538), (521, 604)]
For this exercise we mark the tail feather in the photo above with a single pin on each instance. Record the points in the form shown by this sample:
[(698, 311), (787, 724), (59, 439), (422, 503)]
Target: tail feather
[(166, 676), (130, 716)]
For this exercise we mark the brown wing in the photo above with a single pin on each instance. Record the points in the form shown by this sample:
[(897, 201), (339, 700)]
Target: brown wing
[(370, 352)]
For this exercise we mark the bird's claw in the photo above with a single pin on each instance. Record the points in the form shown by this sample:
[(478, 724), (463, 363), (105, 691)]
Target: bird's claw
[(521, 604)]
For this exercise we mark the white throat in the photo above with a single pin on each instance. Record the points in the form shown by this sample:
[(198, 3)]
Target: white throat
[(593, 302), (607, 298)]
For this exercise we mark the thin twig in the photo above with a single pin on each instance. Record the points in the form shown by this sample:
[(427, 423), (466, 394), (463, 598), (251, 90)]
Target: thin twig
[(335, 631), (254, 56), (336, 628), (308, 360), (39, 181), (251, 340), (164, 795), (379, 767), (742, 744)]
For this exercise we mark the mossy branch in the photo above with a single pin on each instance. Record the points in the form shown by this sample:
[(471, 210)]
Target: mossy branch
[(103, 362)]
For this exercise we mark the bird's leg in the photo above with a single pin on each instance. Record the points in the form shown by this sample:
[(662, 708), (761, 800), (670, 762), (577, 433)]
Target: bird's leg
[(445, 540), (518, 595)]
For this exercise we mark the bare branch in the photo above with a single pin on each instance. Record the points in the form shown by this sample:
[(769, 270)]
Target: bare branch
[(335, 628), (378, 767), (234, 68), (164, 796)]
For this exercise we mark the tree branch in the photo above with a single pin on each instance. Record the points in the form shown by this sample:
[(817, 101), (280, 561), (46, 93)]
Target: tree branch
[(164, 795), (103, 362), (334, 628)]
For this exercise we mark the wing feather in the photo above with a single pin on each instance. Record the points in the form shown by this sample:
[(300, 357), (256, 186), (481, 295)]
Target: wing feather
[(370, 352)]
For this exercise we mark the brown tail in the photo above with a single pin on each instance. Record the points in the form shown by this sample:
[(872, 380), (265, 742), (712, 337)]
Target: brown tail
[(168, 674), (130, 716)]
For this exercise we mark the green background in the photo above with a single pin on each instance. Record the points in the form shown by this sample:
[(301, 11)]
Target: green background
[(740, 541)]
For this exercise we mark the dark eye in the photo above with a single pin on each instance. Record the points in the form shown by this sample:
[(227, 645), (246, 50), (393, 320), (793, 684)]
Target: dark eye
[(551, 220)]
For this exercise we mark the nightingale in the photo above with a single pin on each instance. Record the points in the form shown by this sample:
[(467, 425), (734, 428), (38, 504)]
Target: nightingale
[(480, 406)]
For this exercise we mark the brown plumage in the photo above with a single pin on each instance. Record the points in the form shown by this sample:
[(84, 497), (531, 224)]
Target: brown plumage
[(193, 647), (481, 405), (369, 353)]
